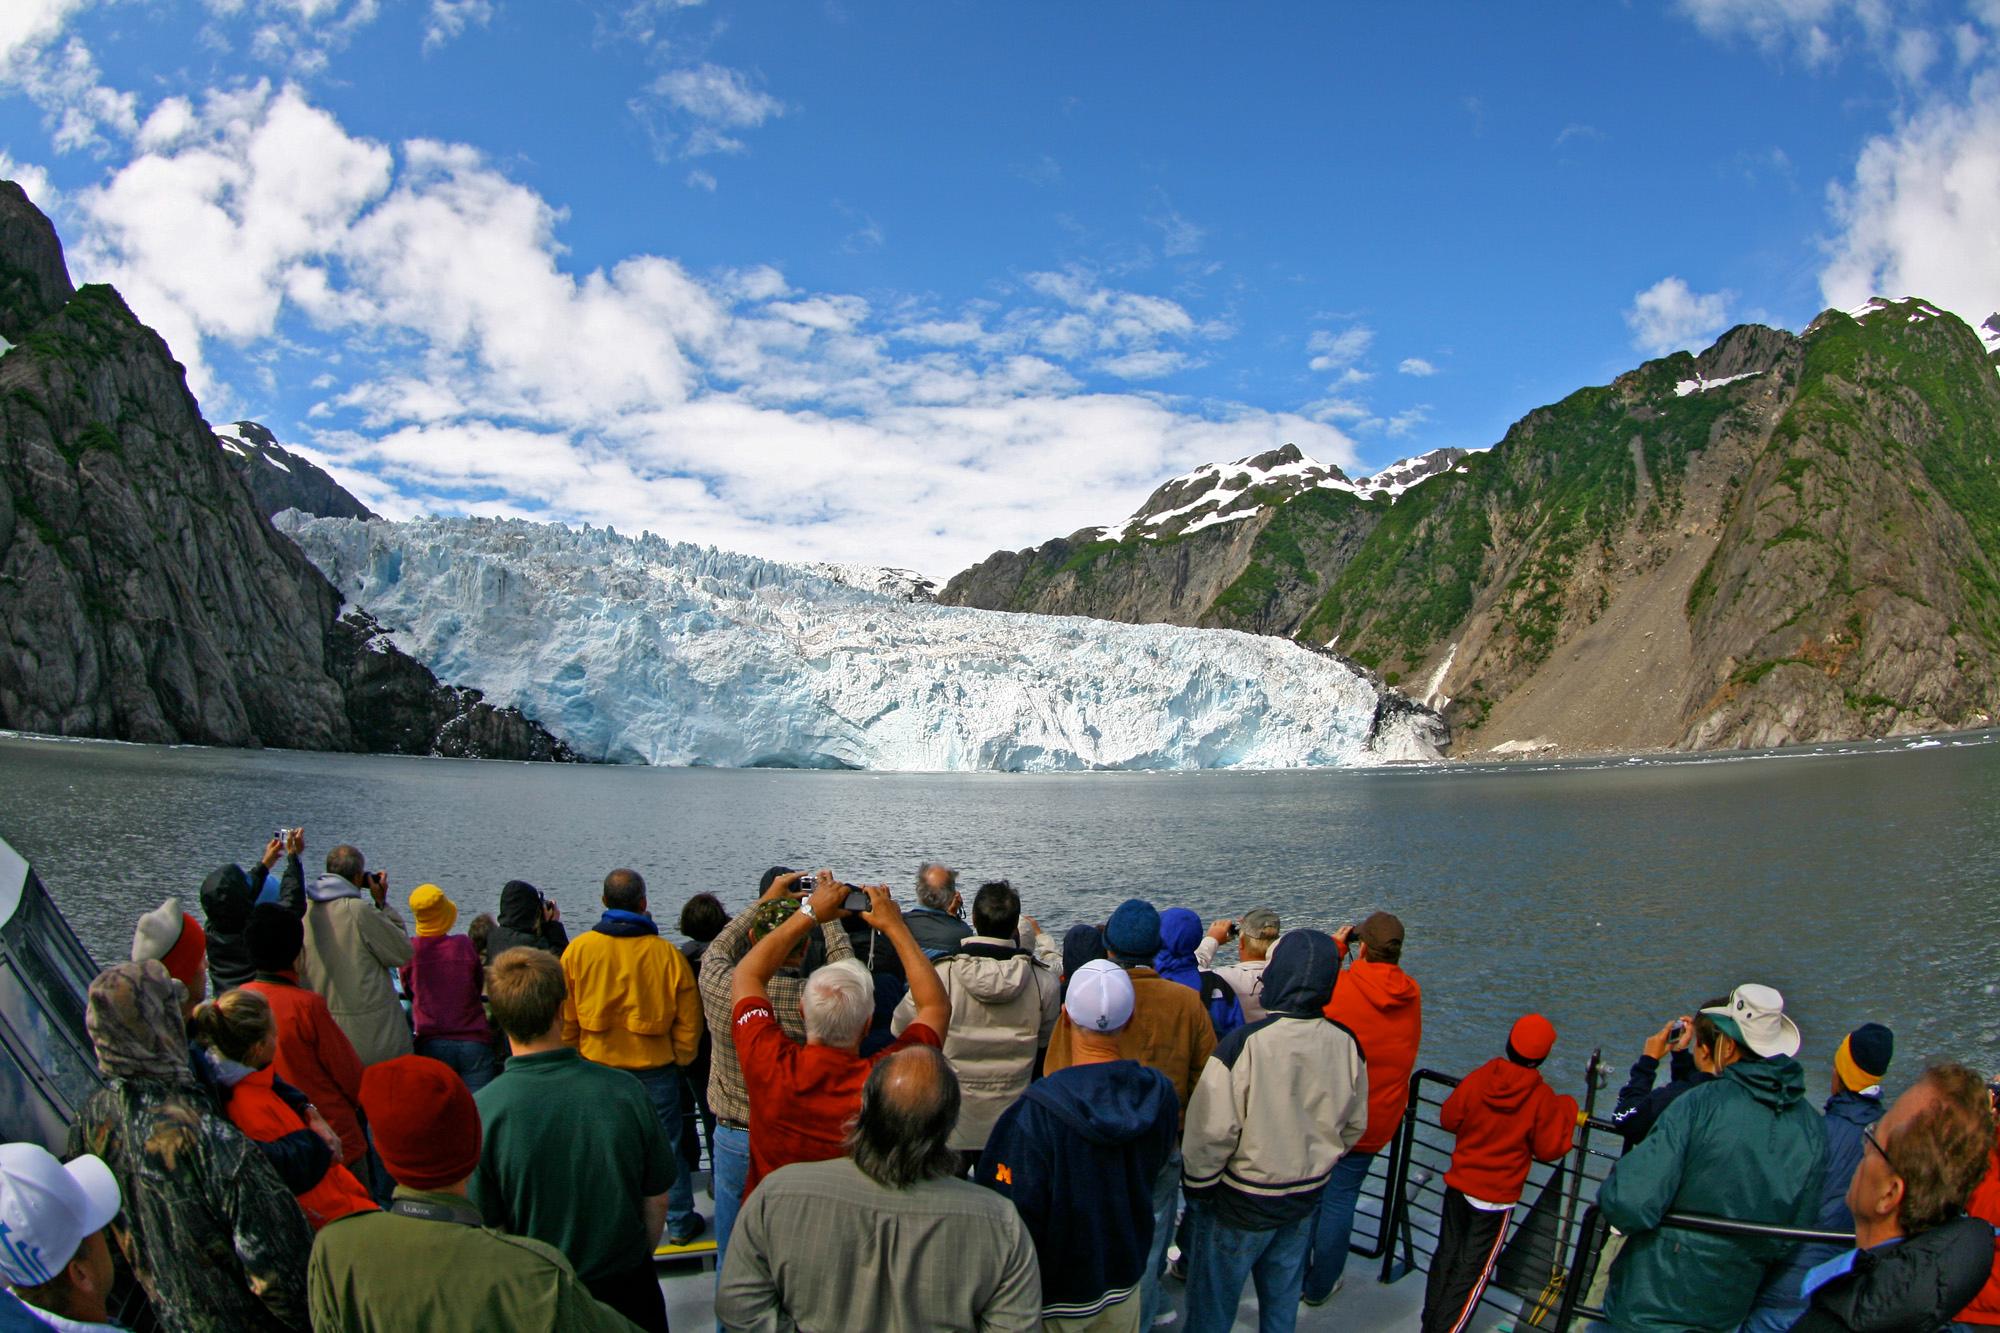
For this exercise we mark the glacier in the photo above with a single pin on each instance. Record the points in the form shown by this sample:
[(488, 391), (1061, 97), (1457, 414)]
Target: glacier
[(646, 650)]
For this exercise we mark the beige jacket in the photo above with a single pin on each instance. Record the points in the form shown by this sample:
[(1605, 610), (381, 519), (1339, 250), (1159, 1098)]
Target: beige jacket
[(1003, 1010), (351, 948)]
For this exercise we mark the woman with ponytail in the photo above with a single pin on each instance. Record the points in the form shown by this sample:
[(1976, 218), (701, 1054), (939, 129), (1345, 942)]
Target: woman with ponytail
[(239, 1031)]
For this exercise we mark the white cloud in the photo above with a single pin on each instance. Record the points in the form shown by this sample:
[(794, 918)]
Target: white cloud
[(473, 371), (1333, 351), (77, 107), (1178, 236), (1670, 316), (700, 109), (28, 25), (1921, 216), (1578, 132), (31, 178), (296, 36), (448, 20), (1416, 365), (1408, 420)]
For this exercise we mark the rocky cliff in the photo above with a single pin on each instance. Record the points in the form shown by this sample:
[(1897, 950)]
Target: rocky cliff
[(143, 594), (1786, 539), (279, 479)]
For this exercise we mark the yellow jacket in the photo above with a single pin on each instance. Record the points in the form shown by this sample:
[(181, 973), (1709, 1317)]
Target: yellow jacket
[(633, 1002)]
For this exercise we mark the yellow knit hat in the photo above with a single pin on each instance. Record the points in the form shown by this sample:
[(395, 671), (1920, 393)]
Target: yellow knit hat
[(434, 911)]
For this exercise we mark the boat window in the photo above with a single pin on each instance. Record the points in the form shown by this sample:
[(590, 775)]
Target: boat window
[(43, 1040), (26, 1111)]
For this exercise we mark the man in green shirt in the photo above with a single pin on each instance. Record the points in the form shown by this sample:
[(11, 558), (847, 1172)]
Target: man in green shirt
[(426, 1262), (574, 1156)]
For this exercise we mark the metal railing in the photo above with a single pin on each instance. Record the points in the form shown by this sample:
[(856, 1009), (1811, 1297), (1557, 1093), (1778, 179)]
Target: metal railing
[(1547, 1268)]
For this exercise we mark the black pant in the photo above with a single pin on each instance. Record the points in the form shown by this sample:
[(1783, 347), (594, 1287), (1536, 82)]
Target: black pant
[(635, 1294), (1469, 1240)]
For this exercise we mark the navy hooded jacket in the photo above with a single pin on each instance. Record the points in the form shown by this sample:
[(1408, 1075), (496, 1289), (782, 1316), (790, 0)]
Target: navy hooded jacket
[(1077, 1154)]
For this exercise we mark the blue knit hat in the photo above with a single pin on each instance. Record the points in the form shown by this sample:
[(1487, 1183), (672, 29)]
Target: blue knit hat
[(1134, 930)]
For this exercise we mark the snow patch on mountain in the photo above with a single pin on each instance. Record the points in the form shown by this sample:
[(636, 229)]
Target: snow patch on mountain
[(1700, 385), (646, 650)]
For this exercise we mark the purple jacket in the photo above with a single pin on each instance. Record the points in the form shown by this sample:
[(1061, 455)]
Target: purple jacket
[(445, 984)]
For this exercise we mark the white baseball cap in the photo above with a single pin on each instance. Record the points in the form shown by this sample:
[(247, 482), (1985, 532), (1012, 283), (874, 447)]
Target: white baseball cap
[(48, 1209), (1755, 1016), (1100, 996)]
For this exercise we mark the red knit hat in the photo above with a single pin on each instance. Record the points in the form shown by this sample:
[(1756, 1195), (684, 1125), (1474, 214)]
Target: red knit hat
[(1533, 1037), (426, 1124), (177, 940)]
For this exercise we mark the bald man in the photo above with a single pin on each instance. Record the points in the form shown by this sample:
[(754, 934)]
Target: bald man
[(885, 1238)]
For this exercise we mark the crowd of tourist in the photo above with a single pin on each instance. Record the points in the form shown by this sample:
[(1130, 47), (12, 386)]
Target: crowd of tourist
[(318, 1116)]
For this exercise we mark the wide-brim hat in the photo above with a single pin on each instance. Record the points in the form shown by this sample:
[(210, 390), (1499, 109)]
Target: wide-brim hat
[(1754, 1017)]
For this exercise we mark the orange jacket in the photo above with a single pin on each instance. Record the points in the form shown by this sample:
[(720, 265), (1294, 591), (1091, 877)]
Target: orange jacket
[(1985, 1205), (1384, 1010), (257, 1110), (632, 1001), (316, 1057), (1503, 1114)]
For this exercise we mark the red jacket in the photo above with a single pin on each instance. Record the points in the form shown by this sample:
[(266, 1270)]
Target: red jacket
[(1504, 1115), (1384, 1010), (265, 1116), (1985, 1205), (316, 1057)]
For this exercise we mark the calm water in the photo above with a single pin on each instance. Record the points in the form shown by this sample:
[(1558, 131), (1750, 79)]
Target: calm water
[(1863, 885)]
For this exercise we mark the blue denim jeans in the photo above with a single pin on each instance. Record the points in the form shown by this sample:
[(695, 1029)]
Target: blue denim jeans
[(473, 1061), (663, 1085), (1224, 1256), (1166, 1202), (1333, 1224), (730, 1167)]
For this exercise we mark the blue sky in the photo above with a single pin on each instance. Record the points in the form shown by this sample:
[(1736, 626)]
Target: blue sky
[(905, 283)]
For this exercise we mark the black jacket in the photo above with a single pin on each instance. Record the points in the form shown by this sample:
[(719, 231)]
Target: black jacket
[(1916, 1286), (1640, 1104), (520, 923), (227, 896)]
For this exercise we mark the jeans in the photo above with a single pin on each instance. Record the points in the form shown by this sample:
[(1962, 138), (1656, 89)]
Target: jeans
[(1166, 1197), (663, 1085), (1333, 1224), (730, 1168), (471, 1060), (1224, 1256)]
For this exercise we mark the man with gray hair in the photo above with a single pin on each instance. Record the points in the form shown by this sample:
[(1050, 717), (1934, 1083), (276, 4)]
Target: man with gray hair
[(1254, 934), (883, 1238), (802, 1097), (938, 919)]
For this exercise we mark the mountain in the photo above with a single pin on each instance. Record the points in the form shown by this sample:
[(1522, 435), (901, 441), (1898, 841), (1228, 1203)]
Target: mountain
[(1785, 539), (144, 594), (1234, 545), (279, 479), (645, 650)]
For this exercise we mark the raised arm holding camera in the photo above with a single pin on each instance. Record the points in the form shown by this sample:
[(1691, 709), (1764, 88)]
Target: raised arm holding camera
[(803, 1096)]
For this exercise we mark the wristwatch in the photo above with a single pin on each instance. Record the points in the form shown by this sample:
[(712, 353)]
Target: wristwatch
[(806, 910)]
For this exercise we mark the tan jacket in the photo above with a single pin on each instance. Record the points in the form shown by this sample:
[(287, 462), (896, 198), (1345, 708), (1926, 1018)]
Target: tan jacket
[(1169, 1032), (351, 948), (1003, 1011)]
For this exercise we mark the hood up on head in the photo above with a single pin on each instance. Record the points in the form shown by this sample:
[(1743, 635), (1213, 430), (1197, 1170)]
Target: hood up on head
[(226, 899), (520, 906), (134, 1019), (1298, 981)]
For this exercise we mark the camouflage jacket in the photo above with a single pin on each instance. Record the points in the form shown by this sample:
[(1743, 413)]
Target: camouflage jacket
[(208, 1228)]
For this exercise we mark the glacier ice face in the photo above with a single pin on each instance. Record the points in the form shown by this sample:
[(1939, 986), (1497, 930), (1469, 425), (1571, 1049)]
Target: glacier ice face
[(646, 650)]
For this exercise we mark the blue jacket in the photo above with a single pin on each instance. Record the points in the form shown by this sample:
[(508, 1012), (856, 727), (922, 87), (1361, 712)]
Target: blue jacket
[(1847, 1114), (1078, 1154), (1640, 1104)]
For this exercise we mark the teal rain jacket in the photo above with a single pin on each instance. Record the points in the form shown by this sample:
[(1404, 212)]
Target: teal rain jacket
[(1746, 1146)]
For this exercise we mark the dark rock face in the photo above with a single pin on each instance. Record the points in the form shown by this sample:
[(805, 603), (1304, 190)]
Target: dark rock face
[(279, 479), (396, 705), (143, 595), (1787, 539)]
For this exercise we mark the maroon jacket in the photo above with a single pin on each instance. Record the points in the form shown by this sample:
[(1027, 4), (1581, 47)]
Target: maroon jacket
[(446, 984)]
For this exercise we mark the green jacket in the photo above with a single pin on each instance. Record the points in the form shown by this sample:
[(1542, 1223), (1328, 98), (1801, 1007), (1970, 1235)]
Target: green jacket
[(1746, 1146), (385, 1273)]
